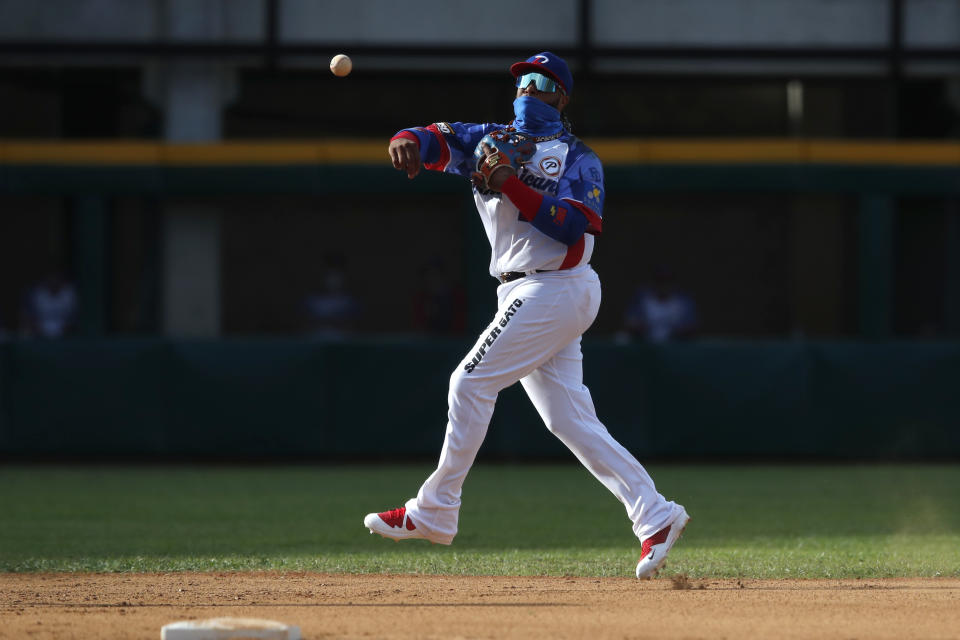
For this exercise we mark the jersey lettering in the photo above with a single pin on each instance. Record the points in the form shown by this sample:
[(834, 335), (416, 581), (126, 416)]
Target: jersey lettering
[(544, 185)]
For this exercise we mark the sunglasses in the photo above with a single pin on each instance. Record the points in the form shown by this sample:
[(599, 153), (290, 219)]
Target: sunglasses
[(542, 82)]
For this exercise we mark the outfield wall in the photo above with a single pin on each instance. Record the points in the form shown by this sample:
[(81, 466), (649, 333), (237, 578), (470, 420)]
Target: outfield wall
[(868, 399), (384, 398)]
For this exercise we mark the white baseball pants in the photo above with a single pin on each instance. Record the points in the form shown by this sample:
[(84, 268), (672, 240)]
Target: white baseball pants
[(535, 338)]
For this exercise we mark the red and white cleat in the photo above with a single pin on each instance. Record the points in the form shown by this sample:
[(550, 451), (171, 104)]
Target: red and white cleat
[(654, 550), (395, 524)]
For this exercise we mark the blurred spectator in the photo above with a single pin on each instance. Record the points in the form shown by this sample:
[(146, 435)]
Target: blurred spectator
[(331, 312), (439, 305), (661, 312), (49, 308)]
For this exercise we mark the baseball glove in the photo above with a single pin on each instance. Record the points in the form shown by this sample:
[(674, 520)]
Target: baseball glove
[(499, 149)]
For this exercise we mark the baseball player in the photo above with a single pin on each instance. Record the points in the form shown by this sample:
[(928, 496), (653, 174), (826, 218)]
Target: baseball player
[(539, 191)]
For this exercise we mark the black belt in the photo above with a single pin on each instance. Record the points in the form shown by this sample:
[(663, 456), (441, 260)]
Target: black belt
[(510, 276)]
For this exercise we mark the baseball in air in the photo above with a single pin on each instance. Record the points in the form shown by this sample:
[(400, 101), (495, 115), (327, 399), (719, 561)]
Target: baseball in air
[(341, 65)]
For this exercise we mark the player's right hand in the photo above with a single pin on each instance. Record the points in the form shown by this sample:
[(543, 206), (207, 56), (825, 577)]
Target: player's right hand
[(405, 154)]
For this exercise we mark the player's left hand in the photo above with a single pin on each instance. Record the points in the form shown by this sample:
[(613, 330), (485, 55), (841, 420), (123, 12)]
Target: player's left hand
[(498, 172), (499, 155)]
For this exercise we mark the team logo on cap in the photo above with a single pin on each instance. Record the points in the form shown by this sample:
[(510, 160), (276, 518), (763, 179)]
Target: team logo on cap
[(538, 59)]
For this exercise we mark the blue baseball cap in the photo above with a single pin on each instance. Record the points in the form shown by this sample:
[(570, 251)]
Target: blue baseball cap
[(548, 64)]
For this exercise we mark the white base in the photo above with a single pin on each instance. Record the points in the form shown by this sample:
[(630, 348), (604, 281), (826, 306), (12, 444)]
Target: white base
[(227, 628)]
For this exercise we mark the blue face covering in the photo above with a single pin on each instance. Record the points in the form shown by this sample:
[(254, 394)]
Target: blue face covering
[(536, 117)]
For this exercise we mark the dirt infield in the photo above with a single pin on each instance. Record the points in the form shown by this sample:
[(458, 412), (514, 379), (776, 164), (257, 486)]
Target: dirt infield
[(406, 606)]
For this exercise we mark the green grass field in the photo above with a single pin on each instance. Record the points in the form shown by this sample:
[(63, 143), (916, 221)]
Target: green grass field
[(755, 522)]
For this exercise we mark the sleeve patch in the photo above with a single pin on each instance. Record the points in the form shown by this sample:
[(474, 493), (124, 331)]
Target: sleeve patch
[(559, 214), (593, 196)]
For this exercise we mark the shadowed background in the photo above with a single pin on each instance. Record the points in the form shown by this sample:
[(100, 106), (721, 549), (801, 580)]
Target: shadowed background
[(210, 192)]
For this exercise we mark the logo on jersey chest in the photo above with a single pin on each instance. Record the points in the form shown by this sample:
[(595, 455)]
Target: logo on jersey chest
[(545, 167), (550, 165)]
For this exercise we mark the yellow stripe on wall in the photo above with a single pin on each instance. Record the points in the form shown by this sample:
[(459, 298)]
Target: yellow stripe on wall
[(912, 153), (776, 151), (80, 153), (695, 151), (620, 151), (239, 153)]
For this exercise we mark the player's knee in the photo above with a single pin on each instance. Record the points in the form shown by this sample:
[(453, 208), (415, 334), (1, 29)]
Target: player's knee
[(556, 427), (465, 383), (557, 422), (459, 383)]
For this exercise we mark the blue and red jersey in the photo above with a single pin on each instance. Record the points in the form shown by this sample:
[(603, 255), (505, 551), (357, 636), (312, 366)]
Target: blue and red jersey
[(546, 216)]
